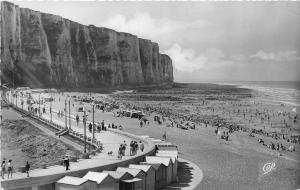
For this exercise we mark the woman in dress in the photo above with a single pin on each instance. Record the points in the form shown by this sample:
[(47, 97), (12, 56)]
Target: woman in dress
[(9, 168)]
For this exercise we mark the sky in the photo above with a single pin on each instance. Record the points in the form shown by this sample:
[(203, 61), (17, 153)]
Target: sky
[(207, 41)]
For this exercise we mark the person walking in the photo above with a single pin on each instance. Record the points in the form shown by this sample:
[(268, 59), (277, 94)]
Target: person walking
[(3, 168), (98, 127), (120, 151), (131, 148), (102, 125), (136, 147), (141, 123), (77, 119), (9, 168), (27, 167), (67, 162), (164, 135), (90, 127), (142, 146), (124, 148)]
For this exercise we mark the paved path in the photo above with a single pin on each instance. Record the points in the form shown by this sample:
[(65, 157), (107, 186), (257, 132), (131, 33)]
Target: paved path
[(110, 140)]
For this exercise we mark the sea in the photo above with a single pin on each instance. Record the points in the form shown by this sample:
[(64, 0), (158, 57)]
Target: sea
[(285, 92)]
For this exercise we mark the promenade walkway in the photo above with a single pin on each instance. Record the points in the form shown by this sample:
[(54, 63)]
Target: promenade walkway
[(189, 174), (110, 141)]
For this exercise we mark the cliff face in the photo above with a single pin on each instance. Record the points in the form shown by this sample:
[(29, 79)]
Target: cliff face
[(43, 50)]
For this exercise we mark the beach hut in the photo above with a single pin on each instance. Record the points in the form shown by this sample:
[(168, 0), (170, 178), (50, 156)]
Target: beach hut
[(165, 146), (175, 152), (103, 180), (167, 154), (119, 176), (160, 174), (150, 175), (74, 183), (144, 136), (133, 184), (165, 161), (174, 160), (136, 173)]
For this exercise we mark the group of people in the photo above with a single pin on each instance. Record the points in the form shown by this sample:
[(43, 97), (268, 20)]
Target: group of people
[(134, 146), (255, 114), (278, 147), (8, 168)]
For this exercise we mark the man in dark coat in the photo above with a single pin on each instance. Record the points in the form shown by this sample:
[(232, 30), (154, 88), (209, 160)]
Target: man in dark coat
[(67, 162)]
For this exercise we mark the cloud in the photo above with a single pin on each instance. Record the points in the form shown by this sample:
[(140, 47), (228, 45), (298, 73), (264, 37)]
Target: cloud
[(162, 30), (141, 24), (279, 56), (205, 49), (187, 60)]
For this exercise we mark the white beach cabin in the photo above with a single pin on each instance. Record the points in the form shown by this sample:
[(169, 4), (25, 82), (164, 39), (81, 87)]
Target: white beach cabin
[(160, 174), (74, 183), (136, 173), (174, 162), (103, 180), (133, 184), (173, 152), (150, 175), (165, 161), (119, 176)]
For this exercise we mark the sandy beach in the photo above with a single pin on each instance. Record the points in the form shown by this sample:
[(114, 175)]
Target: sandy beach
[(233, 164)]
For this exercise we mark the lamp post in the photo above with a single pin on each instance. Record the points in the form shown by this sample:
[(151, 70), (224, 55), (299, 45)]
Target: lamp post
[(16, 100), (84, 134), (69, 113), (51, 109), (66, 125), (39, 105), (12, 97), (22, 102), (93, 128), (9, 97)]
